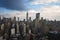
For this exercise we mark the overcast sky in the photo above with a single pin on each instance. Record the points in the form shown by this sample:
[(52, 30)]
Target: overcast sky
[(48, 9)]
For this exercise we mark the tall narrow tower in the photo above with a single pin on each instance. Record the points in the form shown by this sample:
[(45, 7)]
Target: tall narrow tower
[(27, 16), (18, 18)]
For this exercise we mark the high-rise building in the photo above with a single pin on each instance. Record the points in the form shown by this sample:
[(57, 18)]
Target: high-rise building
[(24, 28), (27, 16), (13, 29), (24, 20), (17, 28), (18, 18), (41, 18), (14, 18), (38, 16), (2, 27), (27, 25), (37, 22), (29, 19), (0, 17)]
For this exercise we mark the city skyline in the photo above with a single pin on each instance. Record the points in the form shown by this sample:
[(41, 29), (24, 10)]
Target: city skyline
[(49, 9), (28, 17)]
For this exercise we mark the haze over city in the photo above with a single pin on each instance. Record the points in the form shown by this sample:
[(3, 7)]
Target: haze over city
[(29, 19), (48, 9)]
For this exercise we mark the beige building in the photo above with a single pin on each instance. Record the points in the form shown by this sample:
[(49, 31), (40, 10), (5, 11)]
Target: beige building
[(37, 23)]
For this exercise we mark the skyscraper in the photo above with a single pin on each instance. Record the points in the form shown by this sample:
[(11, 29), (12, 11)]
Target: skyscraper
[(27, 16), (14, 18), (37, 22), (37, 19), (18, 18), (29, 19), (37, 15)]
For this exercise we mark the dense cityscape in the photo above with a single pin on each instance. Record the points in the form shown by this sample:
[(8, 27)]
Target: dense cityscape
[(27, 29)]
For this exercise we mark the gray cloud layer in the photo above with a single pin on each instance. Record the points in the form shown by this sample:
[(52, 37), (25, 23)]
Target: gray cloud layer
[(13, 4)]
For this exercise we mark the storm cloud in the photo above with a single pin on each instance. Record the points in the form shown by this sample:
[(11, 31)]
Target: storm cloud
[(13, 4)]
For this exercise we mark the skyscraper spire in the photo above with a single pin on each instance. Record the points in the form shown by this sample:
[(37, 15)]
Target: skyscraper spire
[(27, 16)]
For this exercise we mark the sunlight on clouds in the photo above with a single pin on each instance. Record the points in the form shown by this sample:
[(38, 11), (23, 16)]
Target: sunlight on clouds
[(52, 12), (48, 12), (22, 14), (32, 13), (43, 1)]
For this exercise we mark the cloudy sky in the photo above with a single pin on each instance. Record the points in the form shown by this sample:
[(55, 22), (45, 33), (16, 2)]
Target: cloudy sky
[(49, 9)]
